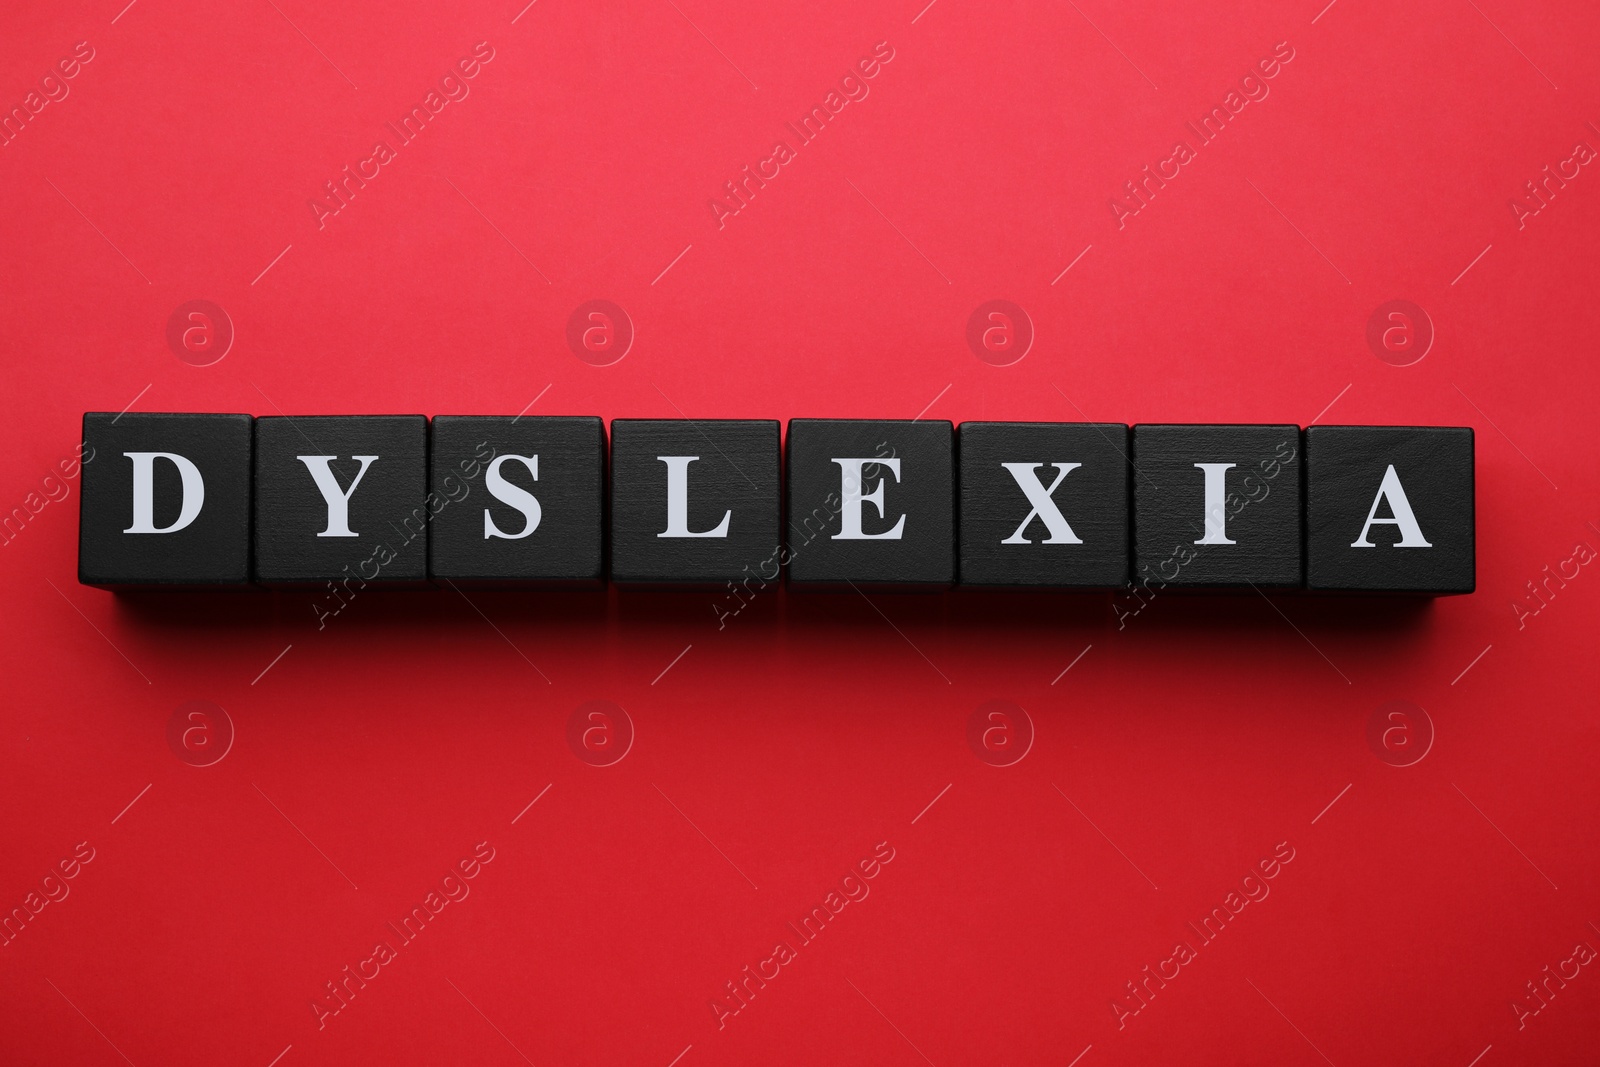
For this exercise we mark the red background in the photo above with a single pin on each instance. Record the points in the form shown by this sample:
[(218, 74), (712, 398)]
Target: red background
[(377, 752)]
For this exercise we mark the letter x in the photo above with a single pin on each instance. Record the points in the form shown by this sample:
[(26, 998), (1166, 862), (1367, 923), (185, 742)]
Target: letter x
[(1044, 506)]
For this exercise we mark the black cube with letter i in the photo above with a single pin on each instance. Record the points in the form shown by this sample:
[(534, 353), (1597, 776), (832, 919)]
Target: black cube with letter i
[(1216, 506)]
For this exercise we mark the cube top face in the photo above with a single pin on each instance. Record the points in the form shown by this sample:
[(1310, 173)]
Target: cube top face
[(1043, 504), (871, 503), (341, 496), (1217, 505), (165, 500), (517, 500), (693, 501), (1390, 509)]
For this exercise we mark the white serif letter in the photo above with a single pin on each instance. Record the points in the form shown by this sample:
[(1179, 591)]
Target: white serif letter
[(1216, 492), (678, 501), (851, 498), (144, 493), (514, 495), (1044, 505), (338, 499), (1400, 508)]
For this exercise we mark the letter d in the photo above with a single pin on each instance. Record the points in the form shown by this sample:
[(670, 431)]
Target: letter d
[(194, 492)]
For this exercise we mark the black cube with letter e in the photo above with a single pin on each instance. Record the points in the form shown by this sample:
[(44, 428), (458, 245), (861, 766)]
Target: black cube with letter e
[(1043, 504), (694, 502), (871, 504), (1216, 506), (165, 500), (341, 498), (523, 500), (1390, 509)]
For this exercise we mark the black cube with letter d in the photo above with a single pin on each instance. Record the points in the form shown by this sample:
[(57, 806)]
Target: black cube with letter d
[(165, 500)]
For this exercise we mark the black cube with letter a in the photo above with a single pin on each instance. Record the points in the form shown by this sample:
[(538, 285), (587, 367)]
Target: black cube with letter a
[(1390, 509)]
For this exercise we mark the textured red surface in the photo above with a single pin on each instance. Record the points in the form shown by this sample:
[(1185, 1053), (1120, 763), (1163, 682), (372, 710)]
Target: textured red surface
[(771, 756)]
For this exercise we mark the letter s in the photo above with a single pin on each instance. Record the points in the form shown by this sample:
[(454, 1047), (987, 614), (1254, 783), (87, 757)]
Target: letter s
[(514, 495)]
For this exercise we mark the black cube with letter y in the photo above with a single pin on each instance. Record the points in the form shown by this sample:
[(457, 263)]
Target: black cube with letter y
[(341, 498)]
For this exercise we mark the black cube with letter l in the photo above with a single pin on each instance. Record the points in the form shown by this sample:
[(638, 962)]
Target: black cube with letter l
[(1216, 506), (523, 500), (871, 503), (694, 502), (1390, 509), (342, 498), (165, 500), (1043, 504)]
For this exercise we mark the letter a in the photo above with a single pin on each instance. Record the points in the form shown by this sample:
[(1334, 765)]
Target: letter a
[(1400, 508)]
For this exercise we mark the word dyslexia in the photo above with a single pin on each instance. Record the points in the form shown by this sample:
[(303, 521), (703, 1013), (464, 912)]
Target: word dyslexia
[(217, 500)]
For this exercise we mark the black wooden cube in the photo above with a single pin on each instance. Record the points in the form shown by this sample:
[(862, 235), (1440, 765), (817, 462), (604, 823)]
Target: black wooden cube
[(693, 502), (165, 500), (1390, 509), (1216, 506), (342, 498), (1043, 504), (525, 500), (871, 503)]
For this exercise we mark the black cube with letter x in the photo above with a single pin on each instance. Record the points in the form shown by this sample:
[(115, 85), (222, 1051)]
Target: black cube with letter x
[(1216, 506), (524, 500), (341, 498), (693, 502), (166, 500), (1043, 505), (1390, 509), (870, 504)]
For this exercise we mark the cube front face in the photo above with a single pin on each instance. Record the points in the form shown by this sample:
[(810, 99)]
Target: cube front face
[(341, 496), (166, 500), (693, 502), (1217, 506), (1043, 505), (1390, 509), (523, 500), (871, 503)]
